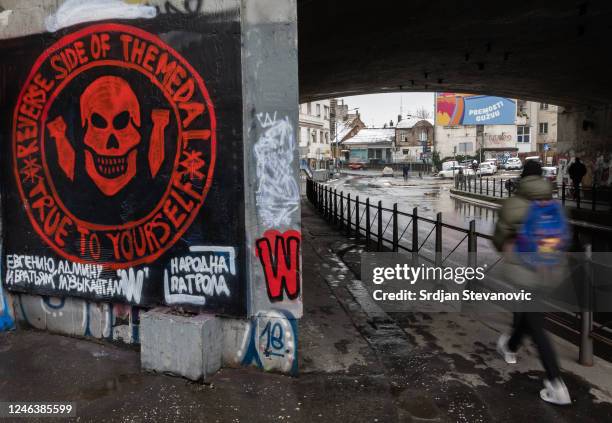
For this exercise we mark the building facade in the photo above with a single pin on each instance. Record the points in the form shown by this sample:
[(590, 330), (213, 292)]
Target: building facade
[(314, 134), (414, 139)]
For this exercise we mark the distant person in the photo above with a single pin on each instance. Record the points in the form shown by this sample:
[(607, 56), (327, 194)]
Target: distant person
[(405, 172), (576, 171), (475, 167), (528, 219)]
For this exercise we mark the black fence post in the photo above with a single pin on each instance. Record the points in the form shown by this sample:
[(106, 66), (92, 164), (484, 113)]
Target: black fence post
[(481, 185), (438, 260), (341, 209), (335, 206), (585, 356), (380, 234), (593, 197), (395, 229), (367, 212), (501, 188), (348, 214), (487, 186), (577, 195), (330, 214), (472, 244), (493, 187), (415, 230), (357, 229), (563, 192), (325, 205)]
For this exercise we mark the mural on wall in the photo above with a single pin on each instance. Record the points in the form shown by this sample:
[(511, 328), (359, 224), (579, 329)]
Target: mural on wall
[(467, 109), (114, 146)]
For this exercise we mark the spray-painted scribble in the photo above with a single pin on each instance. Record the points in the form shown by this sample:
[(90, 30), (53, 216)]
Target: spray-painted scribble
[(73, 12), (277, 194), (74, 316), (273, 342)]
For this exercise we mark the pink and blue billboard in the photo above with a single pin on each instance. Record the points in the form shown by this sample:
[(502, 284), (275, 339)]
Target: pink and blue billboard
[(468, 109)]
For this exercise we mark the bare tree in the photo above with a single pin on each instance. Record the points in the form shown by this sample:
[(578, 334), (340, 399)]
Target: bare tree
[(423, 113)]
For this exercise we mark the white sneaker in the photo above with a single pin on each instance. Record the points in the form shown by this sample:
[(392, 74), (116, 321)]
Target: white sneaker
[(502, 348), (555, 392)]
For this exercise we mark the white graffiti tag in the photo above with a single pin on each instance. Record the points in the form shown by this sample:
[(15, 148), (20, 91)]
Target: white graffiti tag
[(278, 194)]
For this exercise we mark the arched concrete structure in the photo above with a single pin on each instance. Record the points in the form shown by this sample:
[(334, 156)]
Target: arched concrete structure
[(547, 50)]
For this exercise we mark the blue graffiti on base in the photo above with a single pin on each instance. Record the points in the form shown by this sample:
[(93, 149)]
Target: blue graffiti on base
[(79, 317), (6, 321), (272, 343)]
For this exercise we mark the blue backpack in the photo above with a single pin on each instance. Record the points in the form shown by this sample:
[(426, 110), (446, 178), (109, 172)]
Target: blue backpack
[(544, 235)]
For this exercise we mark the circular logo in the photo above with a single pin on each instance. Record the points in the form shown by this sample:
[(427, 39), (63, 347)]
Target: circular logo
[(114, 146)]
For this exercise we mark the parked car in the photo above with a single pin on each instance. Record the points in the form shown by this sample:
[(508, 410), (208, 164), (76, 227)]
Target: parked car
[(485, 169), (453, 171), (513, 163), (387, 171), (493, 163), (357, 165)]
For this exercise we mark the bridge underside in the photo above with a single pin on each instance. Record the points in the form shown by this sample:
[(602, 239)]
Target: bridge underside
[(548, 50)]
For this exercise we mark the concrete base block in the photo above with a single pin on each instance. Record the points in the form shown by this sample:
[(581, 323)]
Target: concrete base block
[(188, 346)]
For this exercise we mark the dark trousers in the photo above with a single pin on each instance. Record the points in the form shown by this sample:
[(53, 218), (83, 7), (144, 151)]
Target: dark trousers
[(533, 324), (576, 189)]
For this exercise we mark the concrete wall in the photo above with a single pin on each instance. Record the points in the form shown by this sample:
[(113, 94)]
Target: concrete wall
[(586, 132), (257, 141)]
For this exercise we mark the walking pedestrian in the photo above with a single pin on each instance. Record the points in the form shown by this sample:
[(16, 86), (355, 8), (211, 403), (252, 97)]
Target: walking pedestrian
[(523, 218), (405, 171), (576, 171)]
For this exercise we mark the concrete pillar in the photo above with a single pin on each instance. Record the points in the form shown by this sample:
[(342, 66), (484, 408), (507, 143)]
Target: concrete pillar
[(212, 176)]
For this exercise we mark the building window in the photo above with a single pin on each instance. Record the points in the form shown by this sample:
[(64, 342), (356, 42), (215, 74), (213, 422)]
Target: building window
[(374, 153), (309, 108), (314, 137), (406, 152), (326, 111), (423, 136), (327, 138), (522, 133), (543, 106), (543, 127), (321, 138), (318, 110)]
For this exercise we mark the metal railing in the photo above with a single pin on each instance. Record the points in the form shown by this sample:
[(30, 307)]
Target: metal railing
[(594, 198), (491, 187), (382, 230), (390, 229)]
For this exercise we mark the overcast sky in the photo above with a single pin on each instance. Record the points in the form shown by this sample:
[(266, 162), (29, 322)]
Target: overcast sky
[(378, 109)]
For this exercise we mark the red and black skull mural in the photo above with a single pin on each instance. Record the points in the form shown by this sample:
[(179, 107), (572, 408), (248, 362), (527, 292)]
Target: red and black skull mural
[(114, 146)]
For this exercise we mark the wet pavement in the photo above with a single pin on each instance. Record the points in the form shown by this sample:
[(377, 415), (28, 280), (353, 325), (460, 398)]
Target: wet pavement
[(357, 363)]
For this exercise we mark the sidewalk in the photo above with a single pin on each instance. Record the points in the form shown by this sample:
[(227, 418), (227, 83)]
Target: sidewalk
[(357, 364)]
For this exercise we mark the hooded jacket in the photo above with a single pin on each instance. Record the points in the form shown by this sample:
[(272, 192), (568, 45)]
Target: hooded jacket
[(514, 209), (511, 216)]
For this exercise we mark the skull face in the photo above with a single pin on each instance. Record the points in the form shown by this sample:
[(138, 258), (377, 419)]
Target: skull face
[(110, 112)]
